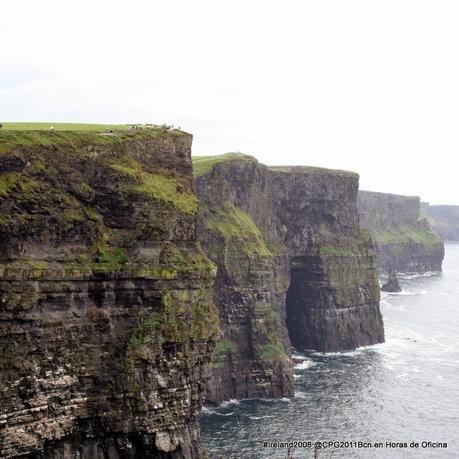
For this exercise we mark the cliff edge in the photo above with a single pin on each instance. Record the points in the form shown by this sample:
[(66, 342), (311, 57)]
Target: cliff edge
[(403, 238), (107, 324), (443, 219), (293, 266)]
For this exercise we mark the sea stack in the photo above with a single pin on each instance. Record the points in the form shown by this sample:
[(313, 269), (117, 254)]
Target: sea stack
[(392, 284)]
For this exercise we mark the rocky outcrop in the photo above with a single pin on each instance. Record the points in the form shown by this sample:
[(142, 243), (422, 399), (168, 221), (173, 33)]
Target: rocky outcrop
[(444, 220), (404, 240), (293, 263), (107, 325), (392, 284)]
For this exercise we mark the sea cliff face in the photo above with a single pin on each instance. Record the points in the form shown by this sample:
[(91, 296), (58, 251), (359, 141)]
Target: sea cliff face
[(107, 324), (444, 220), (293, 264), (404, 240)]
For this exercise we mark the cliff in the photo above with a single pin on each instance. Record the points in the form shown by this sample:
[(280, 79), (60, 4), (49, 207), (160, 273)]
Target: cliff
[(293, 265), (444, 220), (404, 240), (107, 324)]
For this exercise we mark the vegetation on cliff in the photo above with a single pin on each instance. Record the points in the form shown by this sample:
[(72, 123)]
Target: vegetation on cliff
[(204, 164), (404, 233), (101, 270), (236, 228), (59, 183)]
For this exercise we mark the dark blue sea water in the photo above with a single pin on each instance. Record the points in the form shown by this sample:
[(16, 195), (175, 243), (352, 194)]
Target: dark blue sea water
[(405, 390)]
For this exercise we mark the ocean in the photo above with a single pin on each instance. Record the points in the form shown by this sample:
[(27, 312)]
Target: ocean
[(393, 400)]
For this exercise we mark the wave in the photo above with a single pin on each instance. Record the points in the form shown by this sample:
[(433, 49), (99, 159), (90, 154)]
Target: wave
[(230, 402), (409, 276), (304, 365), (209, 412), (406, 293), (355, 352)]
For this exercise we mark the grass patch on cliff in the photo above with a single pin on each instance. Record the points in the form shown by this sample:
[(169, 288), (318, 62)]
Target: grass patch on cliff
[(145, 329), (108, 259), (203, 164), (7, 183), (237, 228), (404, 233), (263, 309), (272, 351), (165, 189), (156, 186), (222, 352)]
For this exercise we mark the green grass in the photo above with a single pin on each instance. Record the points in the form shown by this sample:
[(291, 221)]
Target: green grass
[(224, 346), (403, 233), (263, 309), (237, 228), (165, 189), (203, 164), (7, 183), (146, 329), (64, 127), (108, 259), (74, 135), (223, 350), (272, 351), (311, 170), (158, 187)]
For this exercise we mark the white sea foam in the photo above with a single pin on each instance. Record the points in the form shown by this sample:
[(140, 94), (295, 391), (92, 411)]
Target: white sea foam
[(208, 411), (297, 354), (229, 403), (304, 365)]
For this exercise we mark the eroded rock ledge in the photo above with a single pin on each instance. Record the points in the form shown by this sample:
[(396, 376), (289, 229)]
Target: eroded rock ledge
[(107, 325), (403, 238), (293, 265)]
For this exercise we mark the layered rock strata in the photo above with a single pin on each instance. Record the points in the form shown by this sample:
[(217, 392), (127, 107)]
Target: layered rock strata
[(404, 240), (293, 263), (107, 324), (444, 220)]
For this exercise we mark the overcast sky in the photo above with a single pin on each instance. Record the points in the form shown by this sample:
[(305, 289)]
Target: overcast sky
[(369, 86)]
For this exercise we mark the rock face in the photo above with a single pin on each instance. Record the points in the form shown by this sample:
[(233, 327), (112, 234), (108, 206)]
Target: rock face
[(404, 240), (107, 325), (293, 263), (444, 220), (392, 284)]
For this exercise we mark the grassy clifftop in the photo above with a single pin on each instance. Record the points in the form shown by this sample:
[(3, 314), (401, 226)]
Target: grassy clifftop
[(89, 193), (30, 134), (204, 164)]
